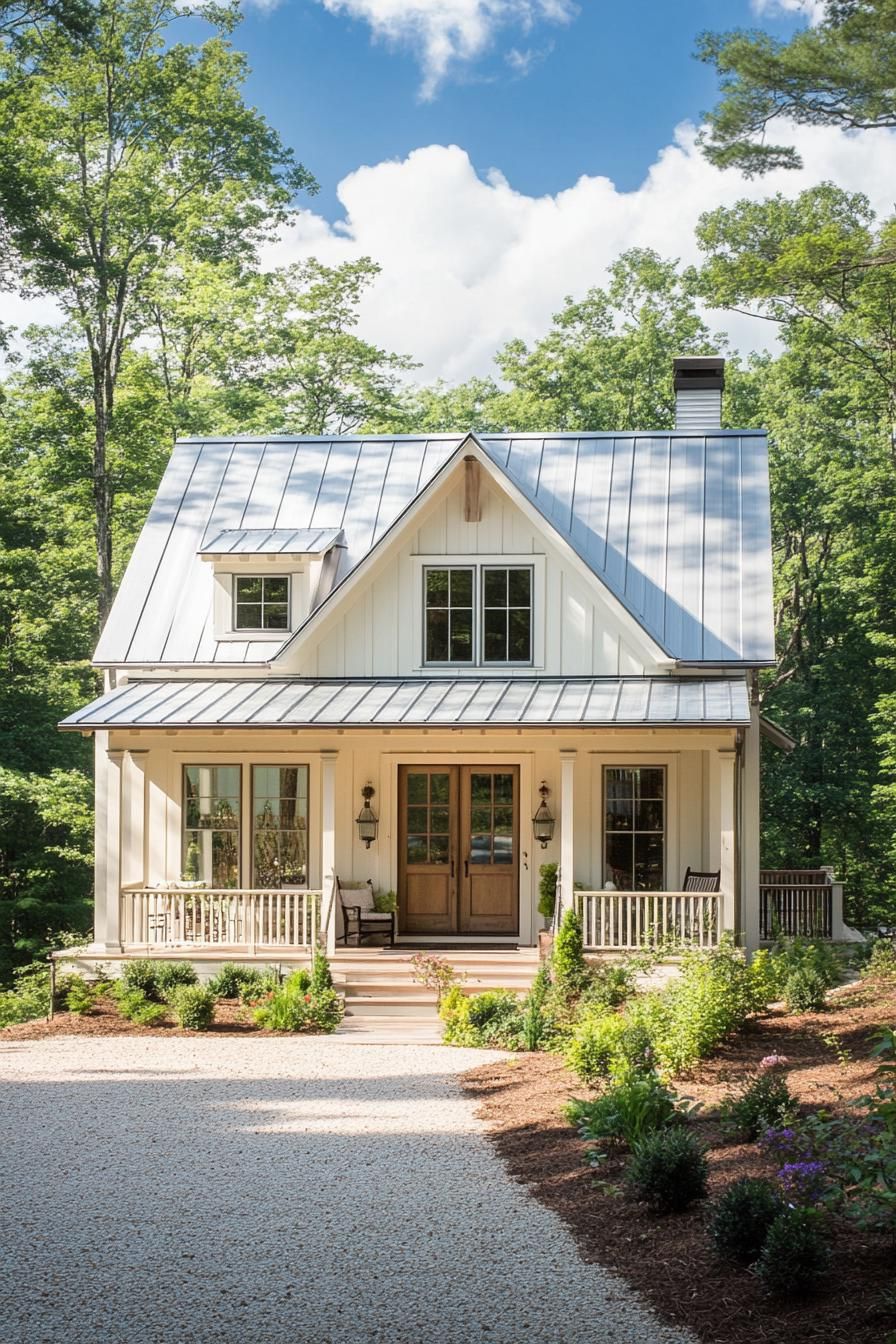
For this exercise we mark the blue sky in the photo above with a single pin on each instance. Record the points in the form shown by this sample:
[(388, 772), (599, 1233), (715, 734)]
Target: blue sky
[(603, 91)]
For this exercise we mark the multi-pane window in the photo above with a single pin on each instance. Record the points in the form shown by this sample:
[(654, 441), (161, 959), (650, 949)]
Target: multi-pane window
[(491, 818), (211, 819), (428, 817), (635, 827), (449, 615), (261, 602), (279, 825), (506, 615)]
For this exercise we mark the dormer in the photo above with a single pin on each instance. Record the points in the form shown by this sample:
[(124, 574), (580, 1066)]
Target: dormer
[(267, 581)]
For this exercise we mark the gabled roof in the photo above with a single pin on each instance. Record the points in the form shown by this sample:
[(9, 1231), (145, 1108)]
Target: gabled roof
[(675, 525), (569, 702)]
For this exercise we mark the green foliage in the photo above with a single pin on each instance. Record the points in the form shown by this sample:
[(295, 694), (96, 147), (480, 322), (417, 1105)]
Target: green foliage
[(142, 974), (434, 972), (193, 1006), (568, 966), (547, 890), (385, 902), (763, 1101), (742, 1216), (76, 995), (171, 975), (625, 1112), (609, 985), (321, 978), (881, 963), (241, 982), (764, 980), (795, 1256), (668, 1169), (837, 72), (805, 991), (536, 1024), (608, 1044), (712, 998), (493, 1018), (135, 1006), (297, 1006), (29, 996)]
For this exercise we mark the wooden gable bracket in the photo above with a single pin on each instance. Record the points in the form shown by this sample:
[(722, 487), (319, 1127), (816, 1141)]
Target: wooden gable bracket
[(472, 506)]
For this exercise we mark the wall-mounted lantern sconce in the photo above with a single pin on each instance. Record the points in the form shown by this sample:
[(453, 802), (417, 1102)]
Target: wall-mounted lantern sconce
[(543, 821), (367, 822)]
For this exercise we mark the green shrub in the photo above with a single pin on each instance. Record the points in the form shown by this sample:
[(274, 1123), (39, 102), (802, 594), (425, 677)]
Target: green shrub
[(568, 966), (29, 997), (172, 975), (795, 1254), (297, 1006), (742, 1217), (238, 982), (454, 1010), (881, 961), (142, 974), (711, 998), (536, 1024), (608, 1044), (385, 902), (626, 1112), (496, 1017), (668, 1169), (763, 980), (547, 890), (76, 995), (801, 954), (764, 1101), (805, 990), (136, 1007), (193, 1007), (320, 972)]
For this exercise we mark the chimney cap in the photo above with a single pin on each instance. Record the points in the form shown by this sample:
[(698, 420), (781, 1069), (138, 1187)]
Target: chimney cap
[(698, 372)]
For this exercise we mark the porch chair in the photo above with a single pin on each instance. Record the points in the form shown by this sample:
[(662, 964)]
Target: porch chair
[(703, 882), (358, 915)]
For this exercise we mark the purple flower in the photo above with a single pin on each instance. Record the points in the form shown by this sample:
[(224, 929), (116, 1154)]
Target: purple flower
[(802, 1182), (780, 1142), (772, 1062)]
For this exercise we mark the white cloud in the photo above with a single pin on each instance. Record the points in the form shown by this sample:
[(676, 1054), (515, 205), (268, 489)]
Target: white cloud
[(814, 10), (468, 262), (445, 34)]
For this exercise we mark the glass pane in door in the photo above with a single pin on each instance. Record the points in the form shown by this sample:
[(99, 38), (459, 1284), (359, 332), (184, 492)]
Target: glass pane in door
[(427, 818), (491, 818)]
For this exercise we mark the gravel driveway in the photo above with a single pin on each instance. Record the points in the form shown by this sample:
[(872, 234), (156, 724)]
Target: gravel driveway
[(263, 1190)]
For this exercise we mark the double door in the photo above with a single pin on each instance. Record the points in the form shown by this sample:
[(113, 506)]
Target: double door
[(458, 859)]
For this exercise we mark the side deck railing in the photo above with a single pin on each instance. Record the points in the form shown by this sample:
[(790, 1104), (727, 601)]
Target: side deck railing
[(798, 902), (627, 920), (219, 917)]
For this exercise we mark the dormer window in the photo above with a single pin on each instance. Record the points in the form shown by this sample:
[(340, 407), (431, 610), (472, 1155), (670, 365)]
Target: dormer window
[(261, 602), (478, 615)]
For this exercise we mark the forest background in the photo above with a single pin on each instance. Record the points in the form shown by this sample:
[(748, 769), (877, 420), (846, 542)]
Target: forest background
[(137, 189)]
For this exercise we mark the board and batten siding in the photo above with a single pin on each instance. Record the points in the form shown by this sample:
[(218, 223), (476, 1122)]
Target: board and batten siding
[(579, 630)]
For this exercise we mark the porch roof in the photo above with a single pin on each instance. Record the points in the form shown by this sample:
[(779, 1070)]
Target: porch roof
[(528, 702)]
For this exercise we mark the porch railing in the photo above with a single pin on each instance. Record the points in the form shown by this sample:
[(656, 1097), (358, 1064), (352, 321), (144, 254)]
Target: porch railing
[(210, 917), (798, 902), (627, 920)]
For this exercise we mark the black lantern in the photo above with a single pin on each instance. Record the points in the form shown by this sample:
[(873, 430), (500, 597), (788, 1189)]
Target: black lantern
[(543, 821), (367, 822)]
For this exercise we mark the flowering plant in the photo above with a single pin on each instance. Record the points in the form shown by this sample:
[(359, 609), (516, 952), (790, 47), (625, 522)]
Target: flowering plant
[(803, 1182), (435, 973)]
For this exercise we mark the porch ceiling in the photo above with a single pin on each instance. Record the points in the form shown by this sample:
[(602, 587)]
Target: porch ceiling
[(529, 702)]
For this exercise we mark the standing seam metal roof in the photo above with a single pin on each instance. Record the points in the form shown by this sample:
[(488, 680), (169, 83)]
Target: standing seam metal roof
[(676, 525)]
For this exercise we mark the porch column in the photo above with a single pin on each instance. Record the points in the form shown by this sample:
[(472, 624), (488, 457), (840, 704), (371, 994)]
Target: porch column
[(727, 852), (567, 829), (328, 850), (749, 835), (107, 836)]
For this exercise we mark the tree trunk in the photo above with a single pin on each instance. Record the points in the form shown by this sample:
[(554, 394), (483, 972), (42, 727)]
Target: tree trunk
[(102, 490)]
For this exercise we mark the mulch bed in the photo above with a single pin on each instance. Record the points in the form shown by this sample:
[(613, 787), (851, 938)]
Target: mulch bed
[(670, 1260), (231, 1019)]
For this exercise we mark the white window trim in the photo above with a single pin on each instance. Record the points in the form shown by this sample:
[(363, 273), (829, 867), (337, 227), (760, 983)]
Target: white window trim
[(261, 629), (536, 563), (637, 761), (225, 600)]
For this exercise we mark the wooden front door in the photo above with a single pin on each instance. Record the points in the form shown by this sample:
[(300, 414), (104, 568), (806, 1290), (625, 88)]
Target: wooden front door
[(458, 862)]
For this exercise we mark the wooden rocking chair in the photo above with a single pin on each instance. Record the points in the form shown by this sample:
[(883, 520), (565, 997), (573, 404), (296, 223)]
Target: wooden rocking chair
[(359, 918), (702, 882)]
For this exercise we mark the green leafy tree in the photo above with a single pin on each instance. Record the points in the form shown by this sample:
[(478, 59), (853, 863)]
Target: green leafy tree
[(837, 73), (120, 148)]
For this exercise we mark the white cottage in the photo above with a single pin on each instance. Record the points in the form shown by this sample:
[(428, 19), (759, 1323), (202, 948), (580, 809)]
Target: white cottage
[(379, 657)]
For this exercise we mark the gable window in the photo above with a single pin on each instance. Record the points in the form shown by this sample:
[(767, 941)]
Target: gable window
[(280, 825), (449, 615), (635, 827), (506, 615), (211, 835), (261, 602)]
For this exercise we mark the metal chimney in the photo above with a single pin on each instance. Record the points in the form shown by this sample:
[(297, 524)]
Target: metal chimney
[(698, 392)]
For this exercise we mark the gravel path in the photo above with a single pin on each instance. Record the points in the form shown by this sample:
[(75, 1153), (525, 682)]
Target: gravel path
[(231, 1191)]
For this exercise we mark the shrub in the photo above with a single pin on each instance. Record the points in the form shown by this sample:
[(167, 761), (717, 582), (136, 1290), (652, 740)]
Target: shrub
[(711, 999), (668, 1169), (29, 996), (296, 1006), (77, 995), (803, 1182), (742, 1217), (805, 990), (795, 1255), (434, 972), (609, 986), (547, 890), (142, 975), (568, 965), (790, 955), (496, 1018), (763, 981), (454, 1010), (193, 1007), (881, 963), (608, 1044), (764, 1102), (172, 975), (626, 1112), (536, 1025), (241, 982), (320, 972), (136, 1007)]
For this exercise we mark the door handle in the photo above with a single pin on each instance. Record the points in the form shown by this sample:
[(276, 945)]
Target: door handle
[(466, 867), (452, 866)]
